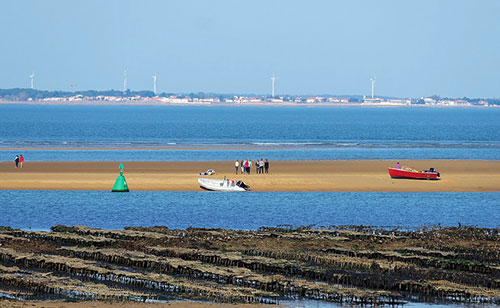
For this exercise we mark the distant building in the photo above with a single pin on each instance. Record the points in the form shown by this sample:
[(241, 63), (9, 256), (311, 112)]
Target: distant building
[(429, 101), (338, 100), (376, 100)]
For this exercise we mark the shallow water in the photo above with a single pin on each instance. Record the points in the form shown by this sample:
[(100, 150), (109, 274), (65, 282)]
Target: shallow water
[(333, 132), (271, 154), (31, 209)]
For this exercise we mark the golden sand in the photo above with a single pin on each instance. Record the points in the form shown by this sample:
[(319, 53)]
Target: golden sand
[(352, 175)]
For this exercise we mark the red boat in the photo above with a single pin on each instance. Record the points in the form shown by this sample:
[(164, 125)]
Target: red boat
[(409, 173)]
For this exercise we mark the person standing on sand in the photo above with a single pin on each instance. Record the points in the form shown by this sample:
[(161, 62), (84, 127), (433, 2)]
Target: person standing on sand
[(242, 167), (249, 165), (266, 165), (236, 166), (398, 166), (21, 161), (16, 160), (261, 166)]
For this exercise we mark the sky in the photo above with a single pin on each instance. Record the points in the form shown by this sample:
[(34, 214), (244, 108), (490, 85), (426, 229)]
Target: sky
[(413, 48)]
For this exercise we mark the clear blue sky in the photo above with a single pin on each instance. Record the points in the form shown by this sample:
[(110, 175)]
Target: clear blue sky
[(414, 48)]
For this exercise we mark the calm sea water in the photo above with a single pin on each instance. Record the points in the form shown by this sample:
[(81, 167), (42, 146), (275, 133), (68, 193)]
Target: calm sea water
[(332, 132), (249, 211)]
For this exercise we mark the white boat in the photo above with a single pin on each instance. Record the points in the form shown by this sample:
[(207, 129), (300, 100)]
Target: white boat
[(222, 185)]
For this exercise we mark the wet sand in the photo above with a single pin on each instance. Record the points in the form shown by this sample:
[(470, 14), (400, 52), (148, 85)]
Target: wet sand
[(96, 304), (352, 175)]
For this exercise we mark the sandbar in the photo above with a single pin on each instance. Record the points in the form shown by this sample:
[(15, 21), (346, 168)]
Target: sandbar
[(350, 175)]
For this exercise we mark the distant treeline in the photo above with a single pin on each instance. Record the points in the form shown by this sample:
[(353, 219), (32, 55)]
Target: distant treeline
[(18, 94), (26, 94)]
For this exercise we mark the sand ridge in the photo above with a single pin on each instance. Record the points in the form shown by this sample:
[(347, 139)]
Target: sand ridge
[(350, 175)]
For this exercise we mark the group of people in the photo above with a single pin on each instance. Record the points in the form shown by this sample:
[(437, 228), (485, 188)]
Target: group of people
[(244, 166), (19, 160)]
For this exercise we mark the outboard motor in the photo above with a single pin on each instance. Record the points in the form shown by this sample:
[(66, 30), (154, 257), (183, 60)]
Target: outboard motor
[(243, 185), (434, 170)]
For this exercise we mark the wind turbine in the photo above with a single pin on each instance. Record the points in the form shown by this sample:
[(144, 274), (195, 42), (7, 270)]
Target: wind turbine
[(154, 83), (273, 79), (373, 85), (125, 81), (32, 78)]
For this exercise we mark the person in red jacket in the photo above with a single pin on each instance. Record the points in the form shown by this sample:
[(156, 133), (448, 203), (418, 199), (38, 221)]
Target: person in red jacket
[(21, 161)]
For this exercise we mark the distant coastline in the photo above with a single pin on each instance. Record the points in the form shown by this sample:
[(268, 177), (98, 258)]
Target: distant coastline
[(266, 104), (128, 97)]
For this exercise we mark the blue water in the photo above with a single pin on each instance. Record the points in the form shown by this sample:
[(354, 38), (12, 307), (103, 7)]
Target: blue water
[(320, 304), (332, 132), (271, 154), (249, 211), (327, 132)]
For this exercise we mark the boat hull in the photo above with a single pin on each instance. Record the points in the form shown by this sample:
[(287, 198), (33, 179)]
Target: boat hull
[(409, 174), (219, 185)]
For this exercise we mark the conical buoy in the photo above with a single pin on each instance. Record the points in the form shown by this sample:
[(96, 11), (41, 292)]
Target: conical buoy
[(121, 183)]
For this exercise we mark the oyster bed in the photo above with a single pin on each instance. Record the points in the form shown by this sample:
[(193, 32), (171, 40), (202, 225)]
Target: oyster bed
[(343, 264)]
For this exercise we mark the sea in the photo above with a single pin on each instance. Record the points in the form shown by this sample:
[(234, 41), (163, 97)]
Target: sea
[(188, 133), (280, 133)]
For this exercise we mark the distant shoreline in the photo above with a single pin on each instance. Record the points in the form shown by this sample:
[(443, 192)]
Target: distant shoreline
[(284, 104)]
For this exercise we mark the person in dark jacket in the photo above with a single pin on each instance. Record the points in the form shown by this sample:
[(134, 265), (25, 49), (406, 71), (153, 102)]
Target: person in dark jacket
[(266, 165), (16, 160)]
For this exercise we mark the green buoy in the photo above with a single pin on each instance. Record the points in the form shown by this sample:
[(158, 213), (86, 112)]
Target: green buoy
[(121, 183)]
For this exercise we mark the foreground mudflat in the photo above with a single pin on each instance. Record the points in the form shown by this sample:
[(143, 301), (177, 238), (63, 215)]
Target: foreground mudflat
[(97, 304), (351, 175), (354, 264)]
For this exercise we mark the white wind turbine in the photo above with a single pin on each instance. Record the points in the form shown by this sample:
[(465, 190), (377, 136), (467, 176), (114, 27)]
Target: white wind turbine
[(125, 81), (154, 83), (273, 79), (32, 79), (373, 85)]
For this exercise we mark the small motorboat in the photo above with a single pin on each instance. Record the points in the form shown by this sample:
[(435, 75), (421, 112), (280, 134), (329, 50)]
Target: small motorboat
[(222, 185), (409, 173)]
